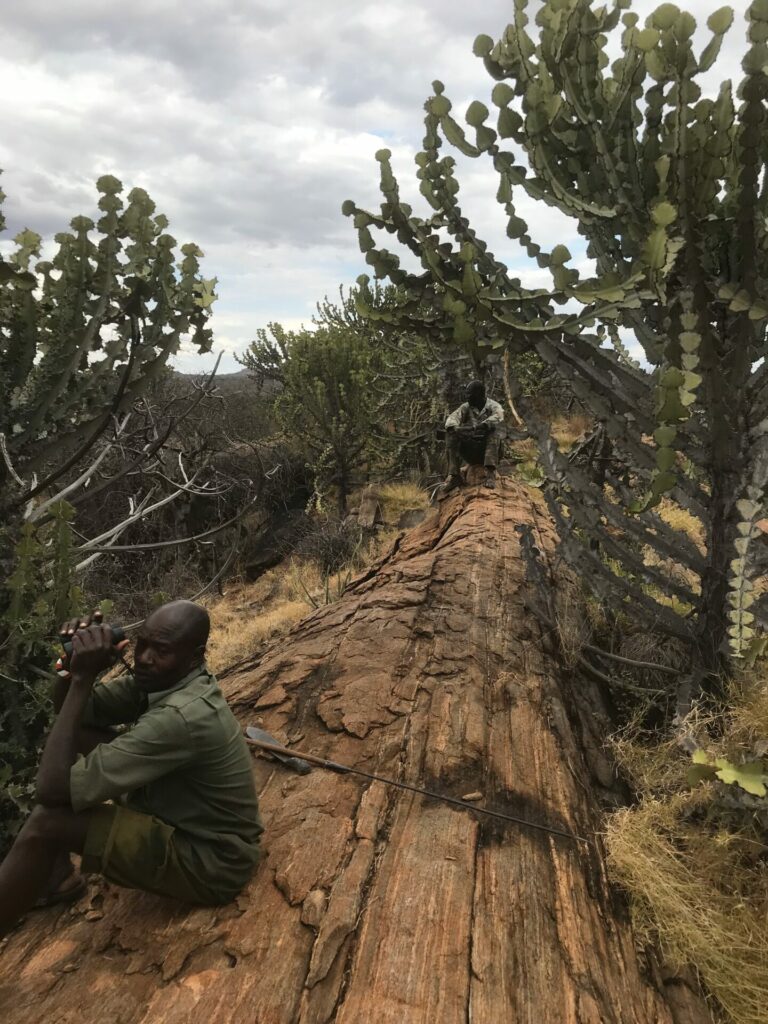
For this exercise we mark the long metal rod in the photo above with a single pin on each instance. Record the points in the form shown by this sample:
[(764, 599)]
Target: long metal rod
[(343, 769)]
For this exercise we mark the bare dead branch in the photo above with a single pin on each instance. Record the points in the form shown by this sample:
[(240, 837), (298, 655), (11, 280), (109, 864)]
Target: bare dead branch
[(82, 480), (181, 540)]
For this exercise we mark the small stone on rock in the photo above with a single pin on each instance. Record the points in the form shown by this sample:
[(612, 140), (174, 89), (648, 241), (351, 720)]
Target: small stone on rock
[(472, 796), (313, 908)]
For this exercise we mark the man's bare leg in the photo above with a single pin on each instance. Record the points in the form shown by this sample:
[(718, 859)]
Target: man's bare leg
[(64, 879), (491, 459), (453, 453), (49, 833)]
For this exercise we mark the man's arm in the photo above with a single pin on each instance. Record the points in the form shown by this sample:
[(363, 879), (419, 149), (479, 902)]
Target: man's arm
[(496, 415), (158, 744), (60, 691), (456, 418), (92, 653)]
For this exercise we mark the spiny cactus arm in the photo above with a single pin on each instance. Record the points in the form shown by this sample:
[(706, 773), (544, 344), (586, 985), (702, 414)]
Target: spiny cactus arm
[(459, 298), (621, 349), (600, 518), (94, 291), (84, 434), (652, 531), (17, 356), (69, 331), (123, 357), (626, 386), (750, 509), (551, 110), (585, 94), (614, 589), (651, 338), (749, 142), (446, 190), (596, 518), (758, 389), (444, 266)]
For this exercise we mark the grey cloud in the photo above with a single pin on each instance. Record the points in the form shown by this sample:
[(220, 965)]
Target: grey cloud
[(248, 121)]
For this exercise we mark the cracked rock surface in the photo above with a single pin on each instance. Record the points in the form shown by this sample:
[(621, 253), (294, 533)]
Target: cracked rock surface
[(372, 905)]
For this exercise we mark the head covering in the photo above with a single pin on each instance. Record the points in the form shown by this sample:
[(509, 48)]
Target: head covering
[(476, 395)]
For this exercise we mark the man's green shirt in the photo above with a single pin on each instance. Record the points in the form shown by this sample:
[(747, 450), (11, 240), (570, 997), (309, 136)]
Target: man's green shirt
[(184, 760)]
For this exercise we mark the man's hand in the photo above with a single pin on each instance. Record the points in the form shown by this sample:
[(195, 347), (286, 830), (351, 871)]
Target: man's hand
[(92, 652), (68, 629)]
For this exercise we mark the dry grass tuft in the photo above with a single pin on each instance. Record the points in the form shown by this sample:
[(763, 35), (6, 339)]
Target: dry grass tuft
[(239, 626), (652, 768), (574, 628), (567, 429), (695, 866), (684, 896), (748, 719), (400, 497)]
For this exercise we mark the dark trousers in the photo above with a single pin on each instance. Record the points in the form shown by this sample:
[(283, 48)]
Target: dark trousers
[(477, 449)]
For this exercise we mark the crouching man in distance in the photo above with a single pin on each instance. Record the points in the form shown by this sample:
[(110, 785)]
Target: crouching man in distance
[(474, 433), (183, 817)]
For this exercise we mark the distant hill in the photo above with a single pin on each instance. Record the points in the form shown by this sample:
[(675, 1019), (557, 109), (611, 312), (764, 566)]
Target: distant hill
[(234, 383)]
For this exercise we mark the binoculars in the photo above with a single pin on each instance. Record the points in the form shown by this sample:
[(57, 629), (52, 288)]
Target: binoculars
[(118, 635)]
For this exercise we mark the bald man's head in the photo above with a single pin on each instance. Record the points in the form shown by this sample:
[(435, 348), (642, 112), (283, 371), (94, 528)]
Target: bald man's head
[(170, 643), (189, 621)]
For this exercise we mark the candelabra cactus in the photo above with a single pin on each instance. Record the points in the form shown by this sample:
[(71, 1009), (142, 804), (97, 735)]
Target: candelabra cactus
[(97, 313), (82, 335), (667, 185)]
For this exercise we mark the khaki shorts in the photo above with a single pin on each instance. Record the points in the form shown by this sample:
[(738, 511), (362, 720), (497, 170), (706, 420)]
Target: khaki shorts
[(139, 851)]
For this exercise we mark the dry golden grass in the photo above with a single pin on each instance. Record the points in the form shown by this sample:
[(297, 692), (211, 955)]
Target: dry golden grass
[(681, 519), (703, 898), (748, 718), (527, 449), (240, 624), (654, 769), (400, 497), (672, 570), (250, 615), (567, 429), (306, 581), (697, 875), (574, 628)]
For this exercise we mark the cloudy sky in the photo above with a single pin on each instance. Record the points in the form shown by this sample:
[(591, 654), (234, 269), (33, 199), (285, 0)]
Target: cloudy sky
[(249, 122)]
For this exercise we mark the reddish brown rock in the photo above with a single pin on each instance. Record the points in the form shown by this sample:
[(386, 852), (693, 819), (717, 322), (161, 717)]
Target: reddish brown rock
[(375, 906)]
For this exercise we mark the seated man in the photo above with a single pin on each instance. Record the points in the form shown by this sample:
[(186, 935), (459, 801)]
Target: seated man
[(474, 433), (184, 820)]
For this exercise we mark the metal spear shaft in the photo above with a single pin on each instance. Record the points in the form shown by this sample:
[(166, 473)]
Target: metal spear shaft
[(343, 769)]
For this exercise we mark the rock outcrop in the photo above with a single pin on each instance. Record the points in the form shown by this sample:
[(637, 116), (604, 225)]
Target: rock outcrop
[(374, 906)]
